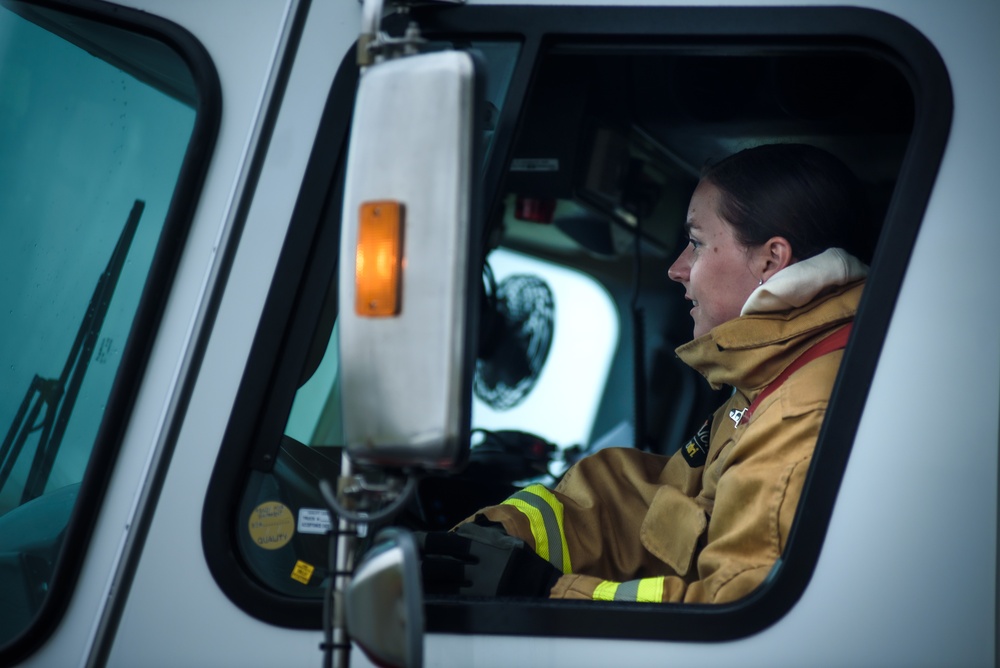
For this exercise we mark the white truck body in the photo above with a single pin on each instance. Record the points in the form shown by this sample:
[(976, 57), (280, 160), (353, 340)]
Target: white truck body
[(907, 573)]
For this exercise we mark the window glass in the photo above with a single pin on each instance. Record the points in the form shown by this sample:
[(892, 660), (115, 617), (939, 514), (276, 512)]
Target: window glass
[(499, 59), (315, 416), (91, 154)]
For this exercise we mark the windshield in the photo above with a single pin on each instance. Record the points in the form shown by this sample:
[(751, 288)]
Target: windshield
[(91, 155)]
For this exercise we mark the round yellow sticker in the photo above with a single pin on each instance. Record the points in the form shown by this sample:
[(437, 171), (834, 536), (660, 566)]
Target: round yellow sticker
[(271, 525)]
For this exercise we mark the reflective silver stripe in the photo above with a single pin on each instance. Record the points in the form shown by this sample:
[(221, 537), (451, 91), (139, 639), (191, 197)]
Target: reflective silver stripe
[(628, 591), (551, 523)]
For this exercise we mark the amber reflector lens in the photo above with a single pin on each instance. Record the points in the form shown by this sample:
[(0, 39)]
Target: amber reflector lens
[(378, 259)]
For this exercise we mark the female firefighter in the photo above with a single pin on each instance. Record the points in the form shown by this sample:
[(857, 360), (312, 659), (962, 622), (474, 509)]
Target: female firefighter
[(772, 271)]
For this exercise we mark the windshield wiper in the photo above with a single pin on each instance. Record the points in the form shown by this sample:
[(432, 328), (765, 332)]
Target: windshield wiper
[(57, 397)]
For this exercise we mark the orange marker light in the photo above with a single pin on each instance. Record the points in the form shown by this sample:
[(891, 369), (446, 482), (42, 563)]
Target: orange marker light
[(378, 260)]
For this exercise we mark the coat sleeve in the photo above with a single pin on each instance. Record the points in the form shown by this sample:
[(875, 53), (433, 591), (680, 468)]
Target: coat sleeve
[(622, 526), (744, 536), (591, 522)]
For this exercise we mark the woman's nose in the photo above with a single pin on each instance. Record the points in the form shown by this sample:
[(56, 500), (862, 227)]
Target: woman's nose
[(678, 271)]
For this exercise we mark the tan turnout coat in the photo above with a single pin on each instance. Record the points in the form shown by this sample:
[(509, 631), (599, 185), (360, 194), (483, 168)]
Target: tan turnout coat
[(708, 533)]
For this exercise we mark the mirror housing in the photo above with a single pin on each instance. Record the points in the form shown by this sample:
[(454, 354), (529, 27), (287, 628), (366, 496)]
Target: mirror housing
[(384, 602), (406, 369)]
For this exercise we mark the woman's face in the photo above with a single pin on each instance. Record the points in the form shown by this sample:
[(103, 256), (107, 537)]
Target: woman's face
[(714, 268)]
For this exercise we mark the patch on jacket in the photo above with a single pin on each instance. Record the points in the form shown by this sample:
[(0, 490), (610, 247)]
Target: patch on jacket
[(739, 416), (696, 451)]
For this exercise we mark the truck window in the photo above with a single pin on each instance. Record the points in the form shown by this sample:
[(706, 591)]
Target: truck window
[(610, 115), (93, 144)]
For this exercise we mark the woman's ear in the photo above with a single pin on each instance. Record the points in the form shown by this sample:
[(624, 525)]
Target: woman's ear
[(776, 254)]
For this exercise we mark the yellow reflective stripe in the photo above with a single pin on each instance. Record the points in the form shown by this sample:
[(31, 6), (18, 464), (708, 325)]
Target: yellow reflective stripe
[(650, 590), (537, 526), (605, 591), (545, 517), (646, 590)]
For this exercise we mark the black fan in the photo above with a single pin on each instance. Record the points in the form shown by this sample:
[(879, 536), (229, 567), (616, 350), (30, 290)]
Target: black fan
[(515, 335)]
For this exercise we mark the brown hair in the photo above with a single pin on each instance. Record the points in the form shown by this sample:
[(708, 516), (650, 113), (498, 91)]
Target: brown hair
[(795, 191)]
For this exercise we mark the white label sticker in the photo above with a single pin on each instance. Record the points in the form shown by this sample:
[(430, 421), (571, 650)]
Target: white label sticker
[(314, 520)]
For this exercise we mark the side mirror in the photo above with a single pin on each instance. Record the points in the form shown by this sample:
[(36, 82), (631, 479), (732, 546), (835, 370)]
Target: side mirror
[(383, 603), (409, 263)]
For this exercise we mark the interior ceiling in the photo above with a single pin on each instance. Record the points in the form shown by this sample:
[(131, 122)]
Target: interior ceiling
[(679, 111)]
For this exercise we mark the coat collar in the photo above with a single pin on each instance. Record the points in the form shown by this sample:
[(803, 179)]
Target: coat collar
[(752, 350), (798, 284)]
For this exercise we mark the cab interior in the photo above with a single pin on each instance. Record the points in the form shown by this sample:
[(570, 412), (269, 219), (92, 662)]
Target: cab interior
[(609, 148), (597, 169)]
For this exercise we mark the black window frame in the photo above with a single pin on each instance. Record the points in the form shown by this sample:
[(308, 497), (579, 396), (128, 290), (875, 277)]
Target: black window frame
[(291, 314), (287, 325), (136, 351)]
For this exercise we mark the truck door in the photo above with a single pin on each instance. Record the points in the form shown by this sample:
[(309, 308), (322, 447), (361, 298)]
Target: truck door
[(599, 122)]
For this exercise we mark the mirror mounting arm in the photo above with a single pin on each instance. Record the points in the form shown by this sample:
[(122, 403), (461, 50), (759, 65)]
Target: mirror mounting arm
[(374, 45), (371, 23), (366, 502), (356, 504)]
